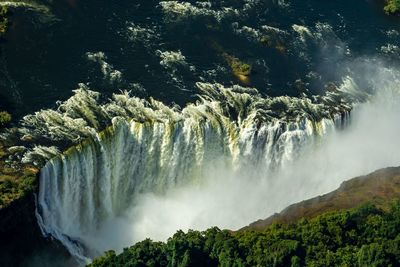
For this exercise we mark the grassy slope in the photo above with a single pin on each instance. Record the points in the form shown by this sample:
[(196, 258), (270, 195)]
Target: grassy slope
[(377, 188)]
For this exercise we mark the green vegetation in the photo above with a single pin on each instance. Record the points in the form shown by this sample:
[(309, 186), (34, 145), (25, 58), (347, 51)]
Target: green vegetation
[(377, 188), (12, 189), (16, 180), (238, 67), (5, 118), (392, 7), (3, 20), (364, 236)]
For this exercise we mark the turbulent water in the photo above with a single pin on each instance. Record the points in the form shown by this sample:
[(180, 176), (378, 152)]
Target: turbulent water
[(294, 47), (118, 166), (99, 179), (151, 148), (231, 135)]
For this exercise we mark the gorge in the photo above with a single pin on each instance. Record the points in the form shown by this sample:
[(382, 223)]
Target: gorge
[(186, 115)]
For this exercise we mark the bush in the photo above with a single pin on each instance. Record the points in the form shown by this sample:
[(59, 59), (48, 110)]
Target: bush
[(5, 118), (237, 66), (3, 20), (392, 7)]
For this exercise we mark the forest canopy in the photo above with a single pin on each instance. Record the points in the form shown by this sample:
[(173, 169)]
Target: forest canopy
[(364, 236)]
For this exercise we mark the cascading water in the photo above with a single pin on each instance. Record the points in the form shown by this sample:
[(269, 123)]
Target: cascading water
[(127, 155), (99, 180), (162, 148), (150, 148)]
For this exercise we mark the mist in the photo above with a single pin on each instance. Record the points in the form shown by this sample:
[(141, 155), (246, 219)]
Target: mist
[(233, 199)]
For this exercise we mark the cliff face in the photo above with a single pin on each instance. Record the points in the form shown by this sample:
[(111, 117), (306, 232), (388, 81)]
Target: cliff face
[(376, 188), (18, 231), (21, 241)]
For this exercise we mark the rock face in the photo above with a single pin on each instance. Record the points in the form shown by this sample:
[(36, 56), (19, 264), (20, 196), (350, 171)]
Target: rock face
[(22, 243), (19, 231), (377, 187)]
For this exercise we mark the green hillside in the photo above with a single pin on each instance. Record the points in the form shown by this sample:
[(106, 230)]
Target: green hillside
[(364, 236), (356, 225)]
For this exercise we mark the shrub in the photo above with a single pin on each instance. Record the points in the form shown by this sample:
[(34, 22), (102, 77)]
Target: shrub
[(3, 20), (5, 118), (392, 7)]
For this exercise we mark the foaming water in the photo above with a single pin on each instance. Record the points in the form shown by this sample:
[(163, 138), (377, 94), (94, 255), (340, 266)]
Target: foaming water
[(231, 137), (99, 181), (140, 168), (213, 163), (233, 200), (227, 160)]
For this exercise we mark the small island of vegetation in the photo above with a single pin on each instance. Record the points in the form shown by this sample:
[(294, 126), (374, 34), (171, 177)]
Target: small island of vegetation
[(3, 20), (5, 118), (392, 7)]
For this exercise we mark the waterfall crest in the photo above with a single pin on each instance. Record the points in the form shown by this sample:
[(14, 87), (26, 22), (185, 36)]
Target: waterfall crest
[(99, 178), (126, 146)]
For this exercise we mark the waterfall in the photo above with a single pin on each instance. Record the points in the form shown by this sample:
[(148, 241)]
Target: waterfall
[(130, 146), (100, 178), (127, 147)]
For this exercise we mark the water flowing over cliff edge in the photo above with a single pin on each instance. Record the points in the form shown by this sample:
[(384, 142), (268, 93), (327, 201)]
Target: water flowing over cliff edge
[(310, 110), (163, 148), (219, 161)]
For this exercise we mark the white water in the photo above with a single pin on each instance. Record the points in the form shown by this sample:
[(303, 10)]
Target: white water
[(167, 169), (94, 185), (100, 181)]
